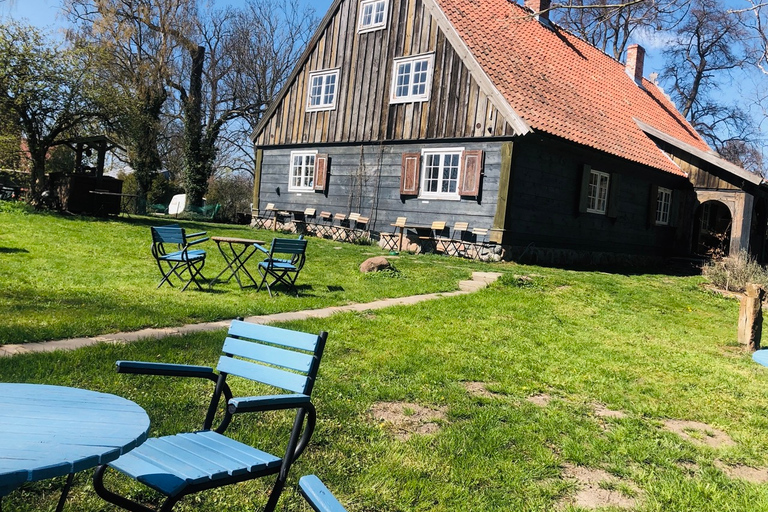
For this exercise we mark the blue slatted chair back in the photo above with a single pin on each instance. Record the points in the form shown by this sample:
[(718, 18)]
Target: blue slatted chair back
[(280, 358), (168, 235), (288, 246)]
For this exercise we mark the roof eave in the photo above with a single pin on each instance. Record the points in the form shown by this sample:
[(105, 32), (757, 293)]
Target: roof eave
[(711, 158), (485, 83)]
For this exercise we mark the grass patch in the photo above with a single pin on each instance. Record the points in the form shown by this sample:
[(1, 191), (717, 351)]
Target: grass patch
[(71, 276), (654, 347)]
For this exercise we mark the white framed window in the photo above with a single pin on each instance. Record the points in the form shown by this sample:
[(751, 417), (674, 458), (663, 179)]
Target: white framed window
[(322, 90), (373, 15), (302, 176), (663, 206), (412, 79), (440, 173), (597, 195)]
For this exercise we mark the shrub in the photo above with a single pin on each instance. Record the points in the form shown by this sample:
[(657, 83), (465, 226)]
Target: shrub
[(735, 272)]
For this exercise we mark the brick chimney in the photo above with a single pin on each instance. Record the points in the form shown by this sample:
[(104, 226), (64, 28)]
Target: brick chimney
[(540, 7), (634, 65)]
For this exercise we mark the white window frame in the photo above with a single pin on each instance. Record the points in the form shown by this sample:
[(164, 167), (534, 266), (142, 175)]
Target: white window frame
[(324, 75), (663, 206), (373, 25), (597, 192), (410, 96), (439, 194), (306, 170)]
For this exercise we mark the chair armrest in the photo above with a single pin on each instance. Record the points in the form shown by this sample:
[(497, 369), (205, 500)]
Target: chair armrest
[(267, 403), (262, 249), (201, 233), (193, 242), (318, 496), (167, 369)]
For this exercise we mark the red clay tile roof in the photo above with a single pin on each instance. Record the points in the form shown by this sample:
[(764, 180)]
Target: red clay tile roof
[(562, 85)]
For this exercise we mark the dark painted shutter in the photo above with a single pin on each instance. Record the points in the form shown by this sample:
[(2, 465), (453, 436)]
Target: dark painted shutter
[(470, 172), (321, 172), (674, 208), (613, 196), (584, 190), (653, 204), (409, 177)]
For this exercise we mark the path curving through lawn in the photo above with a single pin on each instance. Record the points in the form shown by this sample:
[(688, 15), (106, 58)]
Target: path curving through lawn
[(479, 280)]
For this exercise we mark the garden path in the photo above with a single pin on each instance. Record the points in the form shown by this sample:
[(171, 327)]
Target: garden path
[(479, 280)]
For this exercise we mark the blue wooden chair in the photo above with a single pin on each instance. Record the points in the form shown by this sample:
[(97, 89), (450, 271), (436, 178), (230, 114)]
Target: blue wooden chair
[(318, 496), (171, 250), (182, 464), (284, 261)]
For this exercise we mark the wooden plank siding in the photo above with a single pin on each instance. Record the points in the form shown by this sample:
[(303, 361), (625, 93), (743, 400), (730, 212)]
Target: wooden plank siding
[(457, 107), (366, 179)]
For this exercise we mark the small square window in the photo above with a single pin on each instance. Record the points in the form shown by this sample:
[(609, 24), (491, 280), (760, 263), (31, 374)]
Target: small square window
[(663, 206), (322, 90), (412, 79), (597, 195), (373, 15), (302, 174)]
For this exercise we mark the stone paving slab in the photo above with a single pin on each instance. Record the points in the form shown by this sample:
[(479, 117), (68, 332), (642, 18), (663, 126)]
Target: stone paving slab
[(479, 281)]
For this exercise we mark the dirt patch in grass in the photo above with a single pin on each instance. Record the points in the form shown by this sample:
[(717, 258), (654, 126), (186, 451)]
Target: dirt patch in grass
[(602, 411), (542, 399), (699, 433), (480, 389), (597, 489), (405, 419), (746, 473)]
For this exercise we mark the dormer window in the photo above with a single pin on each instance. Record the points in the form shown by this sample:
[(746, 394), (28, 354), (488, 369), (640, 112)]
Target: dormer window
[(373, 15), (322, 90), (412, 79)]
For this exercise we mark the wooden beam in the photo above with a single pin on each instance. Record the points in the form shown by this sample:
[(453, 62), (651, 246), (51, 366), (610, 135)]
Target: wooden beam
[(257, 181), (505, 181)]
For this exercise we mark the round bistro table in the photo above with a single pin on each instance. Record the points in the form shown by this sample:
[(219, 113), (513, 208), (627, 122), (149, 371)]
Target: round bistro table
[(50, 431)]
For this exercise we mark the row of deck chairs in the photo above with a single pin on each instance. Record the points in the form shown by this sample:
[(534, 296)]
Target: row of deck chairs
[(460, 241), (338, 226)]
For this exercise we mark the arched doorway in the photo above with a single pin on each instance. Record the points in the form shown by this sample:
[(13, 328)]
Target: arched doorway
[(757, 234), (712, 230)]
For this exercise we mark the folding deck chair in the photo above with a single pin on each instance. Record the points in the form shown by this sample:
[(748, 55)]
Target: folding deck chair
[(278, 268), (183, 464), (178, 259)]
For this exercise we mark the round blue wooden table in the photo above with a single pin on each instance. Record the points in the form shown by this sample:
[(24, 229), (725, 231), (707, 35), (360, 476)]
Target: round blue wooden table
[(49, 431)]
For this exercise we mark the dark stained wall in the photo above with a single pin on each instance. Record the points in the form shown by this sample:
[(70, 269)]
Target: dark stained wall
[(544, 200)]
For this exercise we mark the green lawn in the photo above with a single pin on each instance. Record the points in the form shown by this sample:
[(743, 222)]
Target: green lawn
[(652, 347), (66, 277)]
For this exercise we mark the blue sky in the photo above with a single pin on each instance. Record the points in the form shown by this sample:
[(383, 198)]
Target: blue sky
[(46, 13)]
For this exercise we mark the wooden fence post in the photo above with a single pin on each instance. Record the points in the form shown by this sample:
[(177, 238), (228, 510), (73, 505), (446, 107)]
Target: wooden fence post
[(751, 317)]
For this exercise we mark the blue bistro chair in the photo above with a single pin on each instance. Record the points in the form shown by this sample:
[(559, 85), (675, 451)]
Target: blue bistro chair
[(183, 464)]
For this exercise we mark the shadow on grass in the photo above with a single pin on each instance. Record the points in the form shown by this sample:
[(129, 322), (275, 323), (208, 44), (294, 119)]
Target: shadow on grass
[(12, 250)]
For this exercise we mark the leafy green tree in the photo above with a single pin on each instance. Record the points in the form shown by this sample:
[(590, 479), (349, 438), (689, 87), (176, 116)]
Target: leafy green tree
[(47, 91)]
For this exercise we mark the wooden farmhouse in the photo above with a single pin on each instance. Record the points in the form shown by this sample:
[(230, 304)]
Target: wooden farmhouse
[(486, 112)]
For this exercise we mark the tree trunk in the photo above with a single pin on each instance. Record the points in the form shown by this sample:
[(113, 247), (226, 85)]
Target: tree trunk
[(196, 163)]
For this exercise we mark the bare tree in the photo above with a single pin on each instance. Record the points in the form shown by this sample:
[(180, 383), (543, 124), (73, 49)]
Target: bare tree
[(708, 47), (265, 40), (610, 25)]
